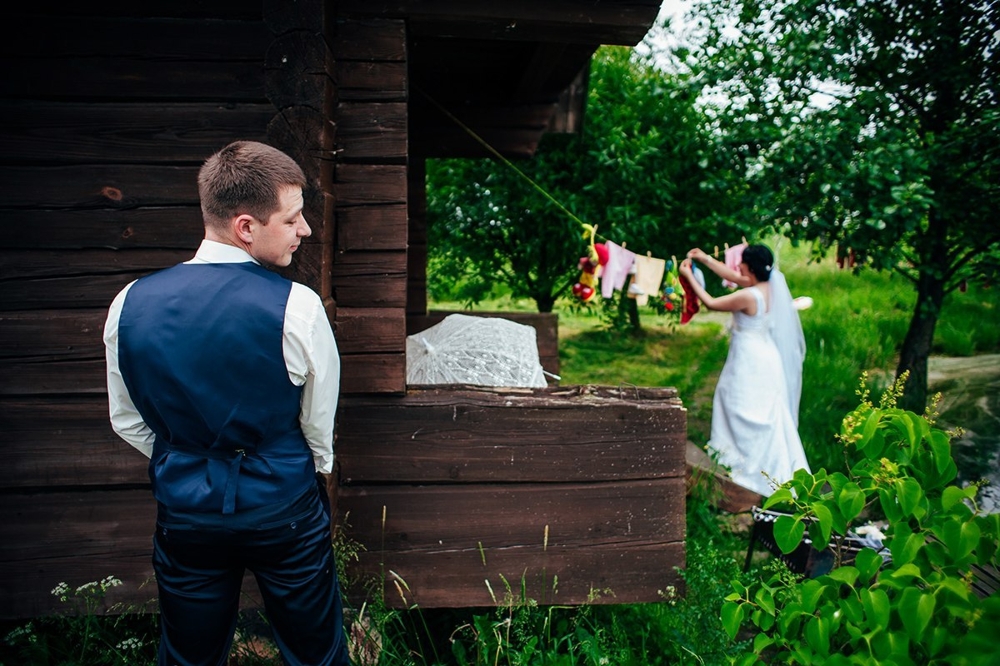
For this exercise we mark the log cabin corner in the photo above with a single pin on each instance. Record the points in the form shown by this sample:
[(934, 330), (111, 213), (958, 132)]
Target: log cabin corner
[(107, 111)]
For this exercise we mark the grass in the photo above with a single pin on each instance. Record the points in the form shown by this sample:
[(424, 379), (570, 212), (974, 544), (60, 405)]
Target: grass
[(856, 324)]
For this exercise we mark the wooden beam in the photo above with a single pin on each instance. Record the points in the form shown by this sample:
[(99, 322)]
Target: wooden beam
[(94, 134), (452, 435), (109, 186), (609, 22)]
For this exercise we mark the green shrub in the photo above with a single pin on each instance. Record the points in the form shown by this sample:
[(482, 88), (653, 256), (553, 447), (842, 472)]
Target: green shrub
[(918, 606)]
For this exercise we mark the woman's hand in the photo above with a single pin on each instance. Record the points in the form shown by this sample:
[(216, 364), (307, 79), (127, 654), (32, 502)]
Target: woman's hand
[(698, 255), (685, 269)]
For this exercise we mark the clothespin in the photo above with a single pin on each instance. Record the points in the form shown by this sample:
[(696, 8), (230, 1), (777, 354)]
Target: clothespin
[(745, 240), (673, 258), (716, 255), (726, 246), (624, 243)]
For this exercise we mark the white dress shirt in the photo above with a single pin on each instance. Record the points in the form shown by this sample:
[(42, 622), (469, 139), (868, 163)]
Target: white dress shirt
[(308, 347)]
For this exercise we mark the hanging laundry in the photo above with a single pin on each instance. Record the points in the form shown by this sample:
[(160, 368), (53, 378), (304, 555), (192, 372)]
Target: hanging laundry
[(734, 257), (648, 276), (698, 275), (691, 305), (616, 271)]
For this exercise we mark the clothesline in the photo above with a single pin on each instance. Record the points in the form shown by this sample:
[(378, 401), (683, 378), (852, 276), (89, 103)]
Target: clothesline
[(590, 230)]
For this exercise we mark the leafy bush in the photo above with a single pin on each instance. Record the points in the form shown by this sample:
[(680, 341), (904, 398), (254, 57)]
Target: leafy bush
[(916, 607)]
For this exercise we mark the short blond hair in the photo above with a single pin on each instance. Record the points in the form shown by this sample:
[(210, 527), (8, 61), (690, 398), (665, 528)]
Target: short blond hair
[(245, 177)]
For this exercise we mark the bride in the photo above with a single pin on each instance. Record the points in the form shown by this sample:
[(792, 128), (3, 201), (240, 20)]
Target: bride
[(755, 409)]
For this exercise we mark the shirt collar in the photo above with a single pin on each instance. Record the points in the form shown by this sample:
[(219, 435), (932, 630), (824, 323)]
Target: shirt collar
[(213, 252)]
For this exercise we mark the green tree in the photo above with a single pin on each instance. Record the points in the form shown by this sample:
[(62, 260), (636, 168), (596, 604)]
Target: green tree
[(871, 126), (643, 170)]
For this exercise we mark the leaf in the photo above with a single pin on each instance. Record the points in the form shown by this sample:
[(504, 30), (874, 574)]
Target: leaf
[(851, 501), (765, 600), (940, 447), (761, 642), (951, 496), (909, 493), (890, 505), (779, 496), (812, 591), (876, 604), (846, 575), (959, 537), (868, 562), (732, 617), (910, 546), (788, 533), (915, 610), (871, 425), (818, 635), (824, 518)]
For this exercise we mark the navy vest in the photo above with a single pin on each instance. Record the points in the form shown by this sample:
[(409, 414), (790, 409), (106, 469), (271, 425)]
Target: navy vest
[(200, 351)]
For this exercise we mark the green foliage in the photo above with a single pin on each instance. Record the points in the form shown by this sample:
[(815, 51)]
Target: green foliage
[(916, 607), (84, 635), (873, 126), (644, 170)]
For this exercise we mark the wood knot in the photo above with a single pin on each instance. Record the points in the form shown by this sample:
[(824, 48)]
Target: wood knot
[(112, 193), (127, 233)]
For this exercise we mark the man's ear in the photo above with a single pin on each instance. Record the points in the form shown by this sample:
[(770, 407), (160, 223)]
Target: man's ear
[(242, 226)]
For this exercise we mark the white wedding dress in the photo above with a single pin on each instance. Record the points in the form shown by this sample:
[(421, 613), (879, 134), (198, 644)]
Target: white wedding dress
[(753, 427)]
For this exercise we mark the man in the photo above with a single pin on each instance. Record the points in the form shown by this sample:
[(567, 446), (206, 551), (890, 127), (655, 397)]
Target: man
[(226, 375)]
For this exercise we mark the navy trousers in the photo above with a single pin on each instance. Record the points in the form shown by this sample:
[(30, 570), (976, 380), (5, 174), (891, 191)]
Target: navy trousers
[(200, 561)]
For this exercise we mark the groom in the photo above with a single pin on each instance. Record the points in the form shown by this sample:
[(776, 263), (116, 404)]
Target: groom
[(226, 375)]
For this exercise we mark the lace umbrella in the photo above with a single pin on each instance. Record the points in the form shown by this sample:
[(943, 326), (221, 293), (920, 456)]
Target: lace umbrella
[(484, 351)]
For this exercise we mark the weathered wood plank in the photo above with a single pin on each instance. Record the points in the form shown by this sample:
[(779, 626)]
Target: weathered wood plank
[(306, 135), (298, 68), (508, 515), (372, 373), (283, 16), (456, 436), (217, 9), (125, 78), (623, 573), (64, 441), (371, 81), (371, 228), (23, 378), (49, 538), (366, 184), (94, 133), (85, 291), (367, 330), (375, 133), (52, 334), (370, 279), (62, 35), (370, 40), (522, 20), (30, 265), (98, 186), (173, 227), (374, 293)]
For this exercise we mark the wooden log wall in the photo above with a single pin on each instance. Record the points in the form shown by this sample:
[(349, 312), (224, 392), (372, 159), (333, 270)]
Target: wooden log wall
[(578, 492), (107, 111), (371, 186)]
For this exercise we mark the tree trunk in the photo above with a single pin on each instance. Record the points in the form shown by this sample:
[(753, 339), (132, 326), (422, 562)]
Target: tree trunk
[(545, 302), (919, 338)]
